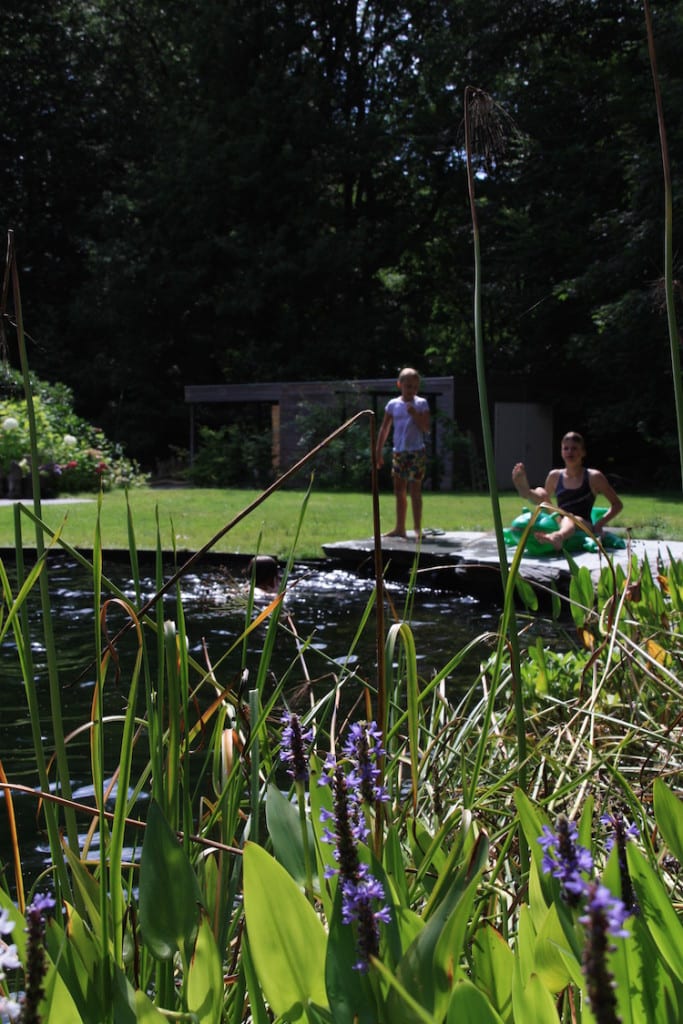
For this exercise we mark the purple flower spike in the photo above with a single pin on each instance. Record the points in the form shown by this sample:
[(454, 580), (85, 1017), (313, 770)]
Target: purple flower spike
[(360, 890), (292, 750), (363, 749), (565, 859), (621, 834), (605, 916)]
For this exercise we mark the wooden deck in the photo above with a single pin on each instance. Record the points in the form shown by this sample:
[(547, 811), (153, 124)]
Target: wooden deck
[(468, 561)]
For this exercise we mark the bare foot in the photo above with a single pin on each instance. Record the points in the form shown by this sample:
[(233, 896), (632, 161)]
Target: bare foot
[(554, 540), (396, 533)]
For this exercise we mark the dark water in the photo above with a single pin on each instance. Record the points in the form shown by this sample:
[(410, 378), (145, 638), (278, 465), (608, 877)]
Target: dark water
[(323, 609)]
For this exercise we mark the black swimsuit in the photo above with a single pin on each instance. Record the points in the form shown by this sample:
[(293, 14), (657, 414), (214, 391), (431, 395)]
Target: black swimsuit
[(577, 500)]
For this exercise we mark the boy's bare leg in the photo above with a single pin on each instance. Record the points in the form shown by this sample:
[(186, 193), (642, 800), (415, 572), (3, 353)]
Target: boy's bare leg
[(401, 493), (416, 502)]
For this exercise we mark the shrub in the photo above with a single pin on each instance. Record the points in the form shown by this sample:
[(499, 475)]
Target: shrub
[(345, 464), (73, 454), (231, 457)]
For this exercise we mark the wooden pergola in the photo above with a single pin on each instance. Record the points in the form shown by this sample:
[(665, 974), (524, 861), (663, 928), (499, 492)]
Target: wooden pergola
[(289, 398)]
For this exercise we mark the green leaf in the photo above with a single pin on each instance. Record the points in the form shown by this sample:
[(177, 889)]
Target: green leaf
[(287, 940), (552, 952), (78, 953), (526, 593), (493, 964), (427, 968), (669, 817), (531, 1000), (131, 1006), (86, 887), (169, 893), (468, 1003), (284, 827), (656, 910), (205, 977), (532, 825), (644, 991), (57, 1002), (581, 594), (257, 1006)]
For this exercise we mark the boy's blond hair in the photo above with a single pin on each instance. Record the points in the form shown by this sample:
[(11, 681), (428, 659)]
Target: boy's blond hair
[(407, 371)]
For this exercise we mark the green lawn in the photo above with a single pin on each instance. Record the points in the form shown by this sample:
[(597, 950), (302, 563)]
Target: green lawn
[(190, 517)]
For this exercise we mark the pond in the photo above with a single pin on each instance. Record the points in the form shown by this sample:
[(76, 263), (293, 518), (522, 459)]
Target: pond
[(322, 612)]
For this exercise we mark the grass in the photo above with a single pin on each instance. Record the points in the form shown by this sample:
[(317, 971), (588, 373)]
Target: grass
[(189, 517)]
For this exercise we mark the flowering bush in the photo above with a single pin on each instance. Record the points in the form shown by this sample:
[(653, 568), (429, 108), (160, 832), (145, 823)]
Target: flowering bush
[(73, 455)]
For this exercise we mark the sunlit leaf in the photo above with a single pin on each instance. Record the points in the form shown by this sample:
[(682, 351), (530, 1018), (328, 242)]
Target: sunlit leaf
[(468, 1003), (656, 910), (287, 940), (493, 964), (205, 977), (669, 817), (284, 827), (169, 893), (531, 1000)]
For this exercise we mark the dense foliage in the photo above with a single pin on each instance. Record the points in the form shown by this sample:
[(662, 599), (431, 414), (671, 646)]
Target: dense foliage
[(205, 192), (73, 455)]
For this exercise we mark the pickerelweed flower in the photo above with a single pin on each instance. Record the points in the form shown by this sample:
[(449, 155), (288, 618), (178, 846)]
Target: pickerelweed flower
[(36, 967), (565, 859), (363, 748), (604, 917), (359, 888), (292, 749), (621, 833)]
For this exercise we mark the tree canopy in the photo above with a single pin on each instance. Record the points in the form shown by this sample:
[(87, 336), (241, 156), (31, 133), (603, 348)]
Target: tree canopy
[(275, 189)]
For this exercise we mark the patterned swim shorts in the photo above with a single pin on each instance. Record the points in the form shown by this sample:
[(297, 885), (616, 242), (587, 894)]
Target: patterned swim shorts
[(409, 465)]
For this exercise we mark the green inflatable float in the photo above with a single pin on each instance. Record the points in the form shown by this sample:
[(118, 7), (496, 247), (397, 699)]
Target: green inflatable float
[(547, 523)]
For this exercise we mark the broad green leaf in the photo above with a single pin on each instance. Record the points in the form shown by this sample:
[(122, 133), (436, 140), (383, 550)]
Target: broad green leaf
[(531, 1000), (526, 593), (76, 949), (669, 817), (131, 1006), (493, 965), (284, 827), (57, 1003), (257, 1006), (169, 893), (468, 1003), (145, 1010), (656, 910), (551, 951), (287, 940), (525, 946), (581, 593), (450, 949), (532, 825), (644, 987), (205, 977)]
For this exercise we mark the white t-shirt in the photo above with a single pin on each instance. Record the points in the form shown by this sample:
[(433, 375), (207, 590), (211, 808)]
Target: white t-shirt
[(407, 437)]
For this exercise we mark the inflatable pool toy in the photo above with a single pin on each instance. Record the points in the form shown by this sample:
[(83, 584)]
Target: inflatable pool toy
[(547, 522)]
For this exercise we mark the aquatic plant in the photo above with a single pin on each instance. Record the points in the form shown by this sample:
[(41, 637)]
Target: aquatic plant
[(362, 858)]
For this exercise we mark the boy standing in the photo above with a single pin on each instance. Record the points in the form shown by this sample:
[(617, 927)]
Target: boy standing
[(409, 417)]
